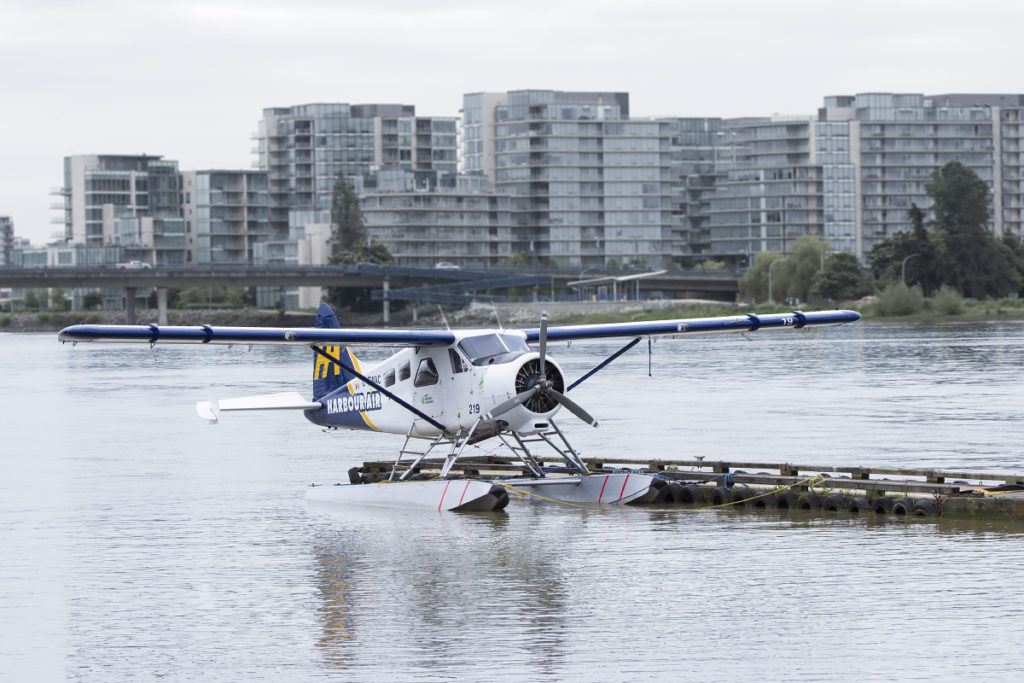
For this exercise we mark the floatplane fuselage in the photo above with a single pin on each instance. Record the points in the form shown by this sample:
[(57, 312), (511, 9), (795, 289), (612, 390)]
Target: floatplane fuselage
[(452, 388), (456, 386)]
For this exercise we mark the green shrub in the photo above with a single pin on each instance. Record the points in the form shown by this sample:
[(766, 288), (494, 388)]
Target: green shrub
[(898, 299), (948, 301)]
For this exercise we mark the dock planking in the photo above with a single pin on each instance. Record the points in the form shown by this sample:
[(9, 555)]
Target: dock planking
[(953, 492)]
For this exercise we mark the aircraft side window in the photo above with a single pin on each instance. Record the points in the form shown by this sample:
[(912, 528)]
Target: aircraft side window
[(389, 378), (403, 372), (456, 359), (426, 373)]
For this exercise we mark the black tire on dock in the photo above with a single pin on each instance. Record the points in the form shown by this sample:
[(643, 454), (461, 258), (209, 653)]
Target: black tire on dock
[(882, 505), (786, 500), (690, 494), (834, 503), (925, 508), (903, 507), (859, 504), (353, 476), (720, 496), (808, 501), (765, 501), (666, 494), (740, 494)]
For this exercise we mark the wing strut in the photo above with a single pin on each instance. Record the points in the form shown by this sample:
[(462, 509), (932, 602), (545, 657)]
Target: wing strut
[(603, 363), (349, 368)]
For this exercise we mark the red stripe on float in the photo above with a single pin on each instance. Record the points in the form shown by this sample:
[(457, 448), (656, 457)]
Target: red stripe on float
[(623, 487), (602, 489), (442, 495), (468, 482)]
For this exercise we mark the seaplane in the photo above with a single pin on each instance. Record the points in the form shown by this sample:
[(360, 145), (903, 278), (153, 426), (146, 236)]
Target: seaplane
[(445, 390)]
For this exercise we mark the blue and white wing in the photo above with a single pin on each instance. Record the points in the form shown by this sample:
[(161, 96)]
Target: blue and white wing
[(207, 334), (738, 323)]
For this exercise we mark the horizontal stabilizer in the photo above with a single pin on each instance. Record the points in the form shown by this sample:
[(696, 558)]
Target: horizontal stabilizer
[(291, 400)]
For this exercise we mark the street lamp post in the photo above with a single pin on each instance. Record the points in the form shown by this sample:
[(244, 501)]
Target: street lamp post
[(903, 268), (772, 265), (579, 289)]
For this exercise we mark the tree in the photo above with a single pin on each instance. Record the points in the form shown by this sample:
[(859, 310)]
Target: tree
[(754, 282), (972, 261), (212, 297), (59, 300), (349, 244), (1014, 249), (518, 260), (805, 261), (92, 300), (348, 231), (711, 264), (914, 253), (843, 277)]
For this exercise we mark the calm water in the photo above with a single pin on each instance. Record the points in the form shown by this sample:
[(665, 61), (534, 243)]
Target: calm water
[(140, 542)]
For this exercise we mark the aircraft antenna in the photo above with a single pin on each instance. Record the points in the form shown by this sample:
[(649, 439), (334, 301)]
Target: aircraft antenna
[(444, 318), (496, 316)]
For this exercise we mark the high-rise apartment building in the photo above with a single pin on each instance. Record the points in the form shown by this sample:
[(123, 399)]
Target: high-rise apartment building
[(588, 186), (100, 189), (6, 240), (702, 151), (898, 140), (851, 174), (305, 148), (226, 214), (771, 192), (458, 221)]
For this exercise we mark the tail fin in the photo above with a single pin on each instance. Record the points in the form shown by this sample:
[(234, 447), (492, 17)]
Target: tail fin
[(329, 376)]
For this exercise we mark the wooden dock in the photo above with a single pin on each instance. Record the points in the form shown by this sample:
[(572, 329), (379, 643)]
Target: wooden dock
[(831, 489)]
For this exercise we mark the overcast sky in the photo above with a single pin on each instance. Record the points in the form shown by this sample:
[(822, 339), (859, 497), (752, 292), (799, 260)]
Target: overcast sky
[(189, 80)]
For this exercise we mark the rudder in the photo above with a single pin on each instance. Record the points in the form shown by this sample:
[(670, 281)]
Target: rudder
[(329, 376)]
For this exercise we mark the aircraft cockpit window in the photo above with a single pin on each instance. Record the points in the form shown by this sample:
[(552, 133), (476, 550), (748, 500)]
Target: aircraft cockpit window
[(487, 349), (456, 360), (404, 371), (426, 373), (515, 343), (389, 378)]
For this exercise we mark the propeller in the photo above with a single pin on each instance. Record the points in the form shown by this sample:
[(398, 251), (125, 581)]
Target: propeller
[(542, 385), (508, 405)]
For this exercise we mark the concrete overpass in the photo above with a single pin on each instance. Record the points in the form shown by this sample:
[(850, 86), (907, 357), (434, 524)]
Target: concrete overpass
[(710, 284)]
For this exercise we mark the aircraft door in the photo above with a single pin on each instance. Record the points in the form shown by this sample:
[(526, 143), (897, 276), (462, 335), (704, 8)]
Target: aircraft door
[(428, 389), (465, 381)]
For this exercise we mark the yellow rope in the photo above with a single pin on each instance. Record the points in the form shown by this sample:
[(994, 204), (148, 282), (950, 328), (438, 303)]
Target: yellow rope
[(815, 479), (551, 500)]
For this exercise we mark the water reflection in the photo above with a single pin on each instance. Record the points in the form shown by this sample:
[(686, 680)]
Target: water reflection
[(444, 581), (335, 585), (141, 542)]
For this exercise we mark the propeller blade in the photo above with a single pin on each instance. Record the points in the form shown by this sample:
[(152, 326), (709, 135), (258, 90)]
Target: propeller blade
[(543, 345), (508, 405), (573, 407)]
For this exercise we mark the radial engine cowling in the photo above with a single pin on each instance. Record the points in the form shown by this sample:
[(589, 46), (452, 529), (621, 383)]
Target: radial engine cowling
[(504, 382)]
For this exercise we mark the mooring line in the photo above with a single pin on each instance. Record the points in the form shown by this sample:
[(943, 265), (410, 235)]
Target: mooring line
[(551, 500), (815, 479)]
